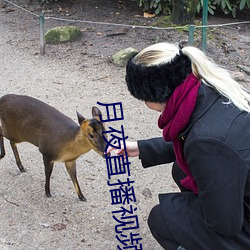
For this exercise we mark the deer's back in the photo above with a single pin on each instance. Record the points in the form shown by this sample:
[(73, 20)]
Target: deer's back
[(24, 118)]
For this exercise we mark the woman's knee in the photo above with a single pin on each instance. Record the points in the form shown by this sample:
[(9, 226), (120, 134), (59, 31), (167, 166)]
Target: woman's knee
[(153, 217), (159, 229)]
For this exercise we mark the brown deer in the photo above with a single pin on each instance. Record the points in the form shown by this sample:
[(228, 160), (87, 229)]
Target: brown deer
[(59, 138)]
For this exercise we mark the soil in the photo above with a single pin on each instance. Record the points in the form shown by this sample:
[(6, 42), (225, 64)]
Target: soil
[(75, 76)]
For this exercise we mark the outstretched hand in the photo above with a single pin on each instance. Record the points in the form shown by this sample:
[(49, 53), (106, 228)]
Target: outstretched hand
[(131, 149)]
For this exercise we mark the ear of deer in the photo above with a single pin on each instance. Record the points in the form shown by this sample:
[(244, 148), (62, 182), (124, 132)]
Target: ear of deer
[(96, 111), (80, 118)]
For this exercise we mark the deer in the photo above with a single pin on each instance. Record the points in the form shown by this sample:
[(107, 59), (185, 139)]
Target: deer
[(58, 138)]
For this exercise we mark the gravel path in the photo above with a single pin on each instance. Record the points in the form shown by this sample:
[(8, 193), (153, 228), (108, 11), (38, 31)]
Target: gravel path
[(74, 77), (68, 79)]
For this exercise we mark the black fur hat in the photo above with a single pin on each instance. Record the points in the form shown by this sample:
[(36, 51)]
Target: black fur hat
[(156, 83)]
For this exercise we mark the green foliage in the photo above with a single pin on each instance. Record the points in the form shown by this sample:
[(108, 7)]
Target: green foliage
[(226, 6), (244, 4), (157, 6), (211, 7), (165, 6)]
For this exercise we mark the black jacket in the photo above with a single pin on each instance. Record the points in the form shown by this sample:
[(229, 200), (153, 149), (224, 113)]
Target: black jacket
[(216, 145)]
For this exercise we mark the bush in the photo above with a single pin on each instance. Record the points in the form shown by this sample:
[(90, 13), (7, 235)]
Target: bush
[(227, 6), (232, 6), (156, 6)]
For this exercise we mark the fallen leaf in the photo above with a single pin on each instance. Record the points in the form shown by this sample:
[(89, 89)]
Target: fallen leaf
[(58, 227), (147, 15)]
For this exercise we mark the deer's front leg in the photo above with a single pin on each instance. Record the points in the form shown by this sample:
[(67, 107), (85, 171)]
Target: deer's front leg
[(48, 165), (71, 168)]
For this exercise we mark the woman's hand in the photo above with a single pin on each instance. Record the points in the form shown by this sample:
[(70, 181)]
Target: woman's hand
[(131, 149)]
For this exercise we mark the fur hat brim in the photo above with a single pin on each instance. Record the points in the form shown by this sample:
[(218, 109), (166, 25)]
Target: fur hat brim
[(156, 83)]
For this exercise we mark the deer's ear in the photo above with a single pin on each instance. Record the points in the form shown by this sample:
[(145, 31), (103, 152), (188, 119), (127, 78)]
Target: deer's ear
[(96, 111), (80, 118)]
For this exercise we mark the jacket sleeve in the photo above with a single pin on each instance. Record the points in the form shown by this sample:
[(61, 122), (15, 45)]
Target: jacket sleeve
[(155, 151), (220, 173)]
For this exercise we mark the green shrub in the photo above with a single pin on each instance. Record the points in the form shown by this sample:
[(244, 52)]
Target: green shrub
[(232, 6), (227, 6), (211, 7), (157, 6)]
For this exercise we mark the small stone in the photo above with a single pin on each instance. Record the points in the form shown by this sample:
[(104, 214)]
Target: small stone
[(244, 68), (146, 192), (63, 34), (239, 76), (44, 225), (121, 58), (2, 3)]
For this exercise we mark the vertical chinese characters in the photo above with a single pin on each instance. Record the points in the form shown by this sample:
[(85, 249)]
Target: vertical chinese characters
[(121, 191)]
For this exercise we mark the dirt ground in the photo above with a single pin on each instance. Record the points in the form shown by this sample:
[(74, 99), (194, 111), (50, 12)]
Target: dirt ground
[(75, 76)]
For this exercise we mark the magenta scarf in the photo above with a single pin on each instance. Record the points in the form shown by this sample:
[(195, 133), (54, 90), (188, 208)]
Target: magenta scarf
[(174, 119)]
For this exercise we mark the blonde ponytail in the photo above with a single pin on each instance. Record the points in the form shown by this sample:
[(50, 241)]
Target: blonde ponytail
[(218, 78)]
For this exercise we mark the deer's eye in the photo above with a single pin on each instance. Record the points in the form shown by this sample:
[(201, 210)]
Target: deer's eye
[(91, 136)]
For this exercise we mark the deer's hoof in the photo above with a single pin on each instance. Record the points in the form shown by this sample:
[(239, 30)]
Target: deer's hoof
[(82, 198), (48, 195)]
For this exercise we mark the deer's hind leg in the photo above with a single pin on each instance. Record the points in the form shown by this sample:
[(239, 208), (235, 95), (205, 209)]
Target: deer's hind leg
[(16, 154), (1, 144), (71, 168)]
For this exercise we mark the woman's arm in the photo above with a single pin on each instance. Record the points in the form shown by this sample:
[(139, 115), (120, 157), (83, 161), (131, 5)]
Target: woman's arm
[(155, 151), (152, 152)]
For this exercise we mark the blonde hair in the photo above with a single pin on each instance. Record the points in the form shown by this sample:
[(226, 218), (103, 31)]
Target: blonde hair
[(202, 67)]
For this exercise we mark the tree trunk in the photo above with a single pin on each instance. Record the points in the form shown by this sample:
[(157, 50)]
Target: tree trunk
[(183, 11)]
